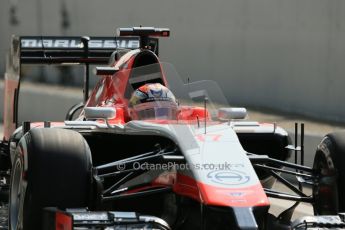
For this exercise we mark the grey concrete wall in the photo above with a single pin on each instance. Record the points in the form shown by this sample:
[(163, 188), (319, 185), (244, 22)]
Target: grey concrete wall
[(283, 54)]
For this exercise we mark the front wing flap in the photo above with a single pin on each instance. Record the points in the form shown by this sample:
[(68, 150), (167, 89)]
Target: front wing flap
[(55, 219)]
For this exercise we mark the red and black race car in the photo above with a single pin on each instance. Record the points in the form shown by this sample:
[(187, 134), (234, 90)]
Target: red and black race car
[(147, 150)]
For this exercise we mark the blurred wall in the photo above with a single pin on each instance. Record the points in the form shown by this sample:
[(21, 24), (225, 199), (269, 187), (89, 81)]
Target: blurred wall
[(282, 54)]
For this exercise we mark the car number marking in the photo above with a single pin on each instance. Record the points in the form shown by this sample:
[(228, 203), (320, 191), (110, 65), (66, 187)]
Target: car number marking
[(208, 137)]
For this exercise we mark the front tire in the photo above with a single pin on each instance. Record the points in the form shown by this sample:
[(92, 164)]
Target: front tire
[(51, 168), (329, 162)]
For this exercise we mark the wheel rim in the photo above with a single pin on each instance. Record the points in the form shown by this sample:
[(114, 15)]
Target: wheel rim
[(16, 196), (326, 190)]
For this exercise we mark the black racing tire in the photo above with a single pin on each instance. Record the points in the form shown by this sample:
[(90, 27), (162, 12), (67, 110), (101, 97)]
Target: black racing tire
[(52, 168), (329, 188), (72, 111)]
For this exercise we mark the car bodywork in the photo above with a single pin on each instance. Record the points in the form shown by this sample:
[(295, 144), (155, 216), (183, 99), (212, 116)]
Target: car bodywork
[(217, 172)]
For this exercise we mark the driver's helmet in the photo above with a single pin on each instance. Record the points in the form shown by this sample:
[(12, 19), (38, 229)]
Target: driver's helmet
[(153, 101)]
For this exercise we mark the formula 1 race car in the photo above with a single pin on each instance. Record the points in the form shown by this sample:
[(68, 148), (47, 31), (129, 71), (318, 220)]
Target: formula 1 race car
[(149, 150)]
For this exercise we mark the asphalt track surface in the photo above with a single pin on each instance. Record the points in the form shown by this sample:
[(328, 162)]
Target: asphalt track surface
[(314, 132)]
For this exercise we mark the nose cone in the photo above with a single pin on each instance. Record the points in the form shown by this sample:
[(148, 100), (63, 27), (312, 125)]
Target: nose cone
[(251, 196)]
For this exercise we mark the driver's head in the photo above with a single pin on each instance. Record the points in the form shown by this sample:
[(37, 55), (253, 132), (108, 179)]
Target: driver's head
[(153, 101)]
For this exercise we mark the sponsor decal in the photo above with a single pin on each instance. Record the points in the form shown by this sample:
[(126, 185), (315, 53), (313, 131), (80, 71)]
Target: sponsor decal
[(237, 194), (85, 216), (229, 177), (156, 92), (96, 43)]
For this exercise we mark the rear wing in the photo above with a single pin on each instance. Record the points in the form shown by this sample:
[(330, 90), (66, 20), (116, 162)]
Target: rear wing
[(58, 50)]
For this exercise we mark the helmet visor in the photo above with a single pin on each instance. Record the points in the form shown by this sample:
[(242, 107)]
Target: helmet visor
[(157, 110)]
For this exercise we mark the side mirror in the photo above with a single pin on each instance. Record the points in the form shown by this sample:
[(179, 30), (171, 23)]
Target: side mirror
[(99, 112), (106, 70), (232, 113)]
